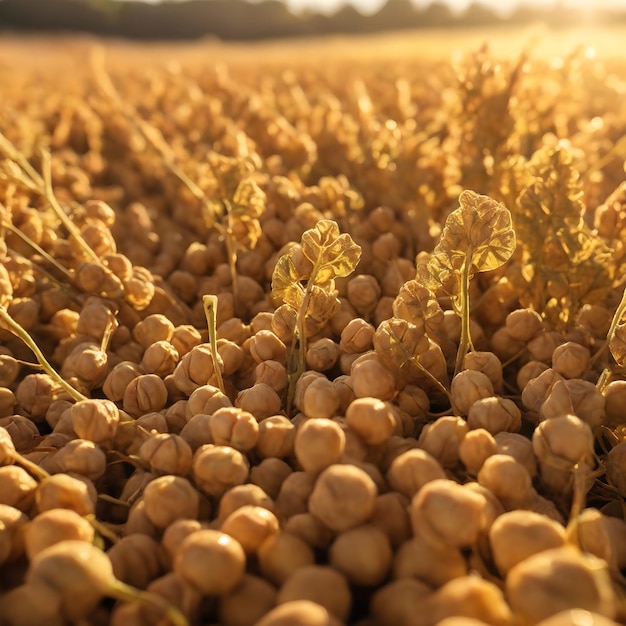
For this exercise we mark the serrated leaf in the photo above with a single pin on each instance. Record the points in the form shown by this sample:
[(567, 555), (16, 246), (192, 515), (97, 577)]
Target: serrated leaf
[(439, 275), (334, 254), (248, 200), (398, 342), (323, 304), (416, 303), (286, 282), (480, 230)]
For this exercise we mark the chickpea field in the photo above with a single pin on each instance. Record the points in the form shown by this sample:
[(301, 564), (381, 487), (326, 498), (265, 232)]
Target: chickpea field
[(313, 334)]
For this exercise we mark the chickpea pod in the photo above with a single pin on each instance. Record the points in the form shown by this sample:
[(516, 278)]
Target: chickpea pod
[(318, 444), (344, 496)]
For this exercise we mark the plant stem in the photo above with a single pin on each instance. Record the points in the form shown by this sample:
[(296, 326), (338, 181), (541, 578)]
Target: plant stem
[(465, 343), (126, 593), (19, 330), (210, 311), (617, 318)]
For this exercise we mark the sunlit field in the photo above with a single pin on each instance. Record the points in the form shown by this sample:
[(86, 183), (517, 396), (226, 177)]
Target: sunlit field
[(314, 333)]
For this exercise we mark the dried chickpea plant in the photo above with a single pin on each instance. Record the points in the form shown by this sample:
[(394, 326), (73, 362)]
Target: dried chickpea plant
[(304, 279)]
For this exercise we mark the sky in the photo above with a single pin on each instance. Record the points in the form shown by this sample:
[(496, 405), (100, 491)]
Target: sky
[(371, 6)]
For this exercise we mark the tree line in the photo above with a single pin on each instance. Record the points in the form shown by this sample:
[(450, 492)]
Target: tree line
[(241, 20)]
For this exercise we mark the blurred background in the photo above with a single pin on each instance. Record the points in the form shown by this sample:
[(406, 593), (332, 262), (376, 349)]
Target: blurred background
[(246, 20)]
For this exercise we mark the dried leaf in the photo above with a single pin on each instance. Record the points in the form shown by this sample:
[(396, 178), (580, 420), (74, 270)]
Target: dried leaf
[(617, 344), (323, 304), (248, 200), (480, 230), (332, 253), (398, 342), (286, 282), (415, 303)]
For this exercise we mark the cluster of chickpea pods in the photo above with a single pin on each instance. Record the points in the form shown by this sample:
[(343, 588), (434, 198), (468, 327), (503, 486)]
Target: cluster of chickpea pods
[(401, 403)]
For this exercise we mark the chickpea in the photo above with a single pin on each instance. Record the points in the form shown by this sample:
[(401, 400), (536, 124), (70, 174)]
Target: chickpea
[(343, 497), (318, 444), (320, 584), (211, 561), (363, 554)]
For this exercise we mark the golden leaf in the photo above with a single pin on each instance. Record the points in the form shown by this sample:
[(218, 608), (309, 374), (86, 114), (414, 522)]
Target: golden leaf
[(416, 303), (323, 304), (248, 200), (332, 253), (398, 342), (617, 344), (480, 230), (286, 282)]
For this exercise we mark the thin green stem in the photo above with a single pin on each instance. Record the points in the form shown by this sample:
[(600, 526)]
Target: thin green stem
[(121, 591), (20, 332)]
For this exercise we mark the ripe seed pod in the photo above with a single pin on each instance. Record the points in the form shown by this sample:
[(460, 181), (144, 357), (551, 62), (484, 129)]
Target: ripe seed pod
[(477, 446), (320, 584), (269, 474), (518, 534), (344, 496), (372, 419), (281, 555), (95, 420), (469, 596), (320, 399), (276, 437), (64, 491), (363, 554), (507, 479), (310, 529), (17, 487), (442, 438), (487, 363), (137, 559), (322, 354), (600, 535), (167, 453), (118, 379), (299, 613), (469, 386), (318, 444), (294, 494), (83, 457), (413, 469), (523, 324), (160, 358), (250, 525), (570, 359), (559, 579), (215, 469), (370, 378), (234, 427), (437, 507), (430, 563), (560, 444), (170, 498), (260, 400), (211, 561), (247, 603), (495, 414), (243, 495), (357, 336)]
